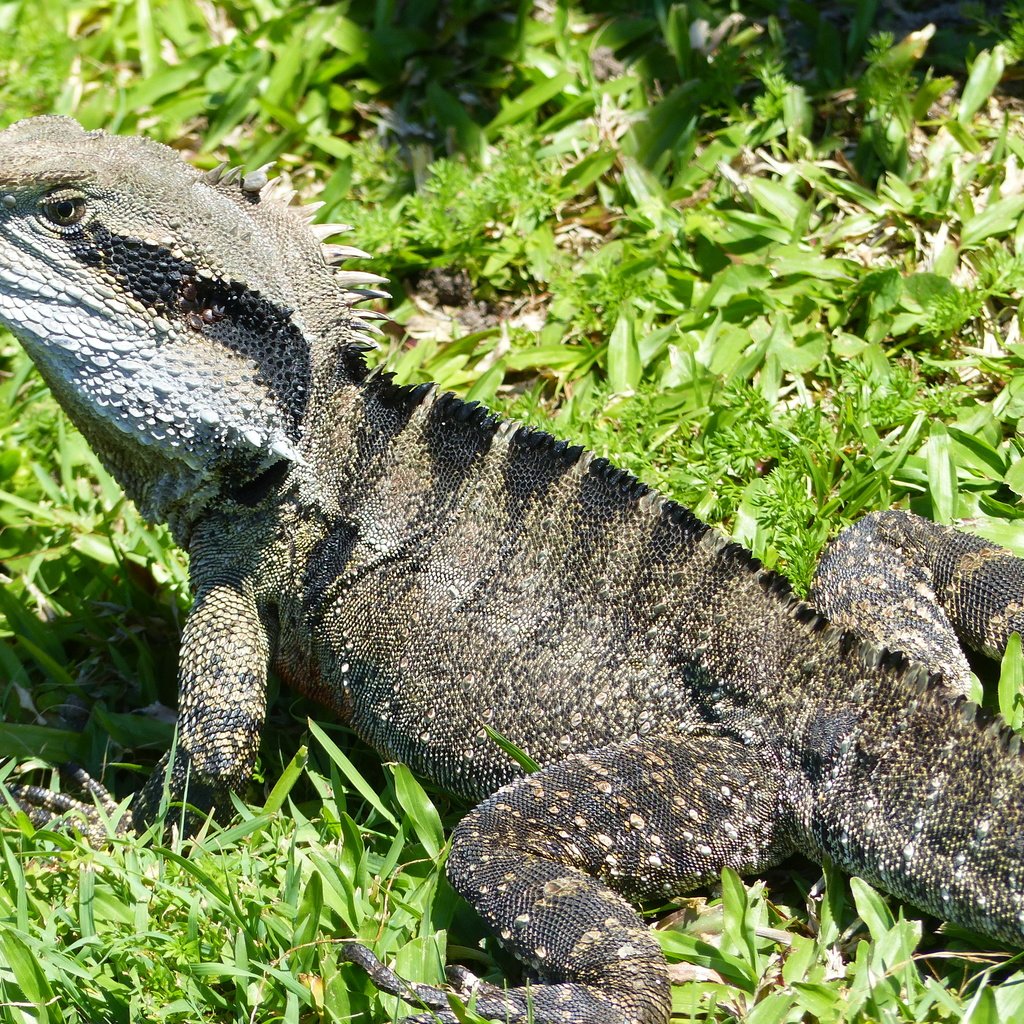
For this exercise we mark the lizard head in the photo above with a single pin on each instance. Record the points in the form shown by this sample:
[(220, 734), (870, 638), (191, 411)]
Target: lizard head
[(176, 315)]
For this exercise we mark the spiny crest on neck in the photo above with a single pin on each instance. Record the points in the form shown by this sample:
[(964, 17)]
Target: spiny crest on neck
[(257, 187)]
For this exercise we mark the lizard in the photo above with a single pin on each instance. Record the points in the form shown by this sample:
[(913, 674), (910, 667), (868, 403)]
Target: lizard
[(433, 573)]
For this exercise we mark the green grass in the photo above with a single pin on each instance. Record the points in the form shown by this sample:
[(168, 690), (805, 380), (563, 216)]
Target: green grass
[(772, 266)]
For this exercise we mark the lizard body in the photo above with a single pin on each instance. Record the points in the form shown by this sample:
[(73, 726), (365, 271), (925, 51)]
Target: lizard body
[(429, 570)]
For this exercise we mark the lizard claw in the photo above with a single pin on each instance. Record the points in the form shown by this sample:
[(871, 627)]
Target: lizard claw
[(484, 998), (386, 980), (91, 816)]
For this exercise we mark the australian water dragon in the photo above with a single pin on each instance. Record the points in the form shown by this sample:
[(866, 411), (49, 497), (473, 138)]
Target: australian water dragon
[(429, 570)]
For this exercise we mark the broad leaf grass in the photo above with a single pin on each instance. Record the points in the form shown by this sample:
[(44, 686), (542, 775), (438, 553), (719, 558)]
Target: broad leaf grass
[(768, 259)]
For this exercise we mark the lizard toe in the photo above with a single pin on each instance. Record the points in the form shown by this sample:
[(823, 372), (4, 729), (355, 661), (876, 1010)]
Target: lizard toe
[(91, 817)]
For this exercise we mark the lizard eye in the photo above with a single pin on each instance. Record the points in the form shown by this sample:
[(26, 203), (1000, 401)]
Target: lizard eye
[(64, 211)]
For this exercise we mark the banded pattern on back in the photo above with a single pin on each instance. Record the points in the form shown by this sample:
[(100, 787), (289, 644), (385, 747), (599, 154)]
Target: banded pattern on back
[(435, 574)]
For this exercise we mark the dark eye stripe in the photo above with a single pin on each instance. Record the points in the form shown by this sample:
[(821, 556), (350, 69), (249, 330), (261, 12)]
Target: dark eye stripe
[(227, 313)]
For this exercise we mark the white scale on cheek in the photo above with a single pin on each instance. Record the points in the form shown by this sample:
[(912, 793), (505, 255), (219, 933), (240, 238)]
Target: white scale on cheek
[(134, 378)]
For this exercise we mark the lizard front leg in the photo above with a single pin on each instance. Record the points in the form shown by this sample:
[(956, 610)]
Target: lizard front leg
[(225, 654), (222, 674)]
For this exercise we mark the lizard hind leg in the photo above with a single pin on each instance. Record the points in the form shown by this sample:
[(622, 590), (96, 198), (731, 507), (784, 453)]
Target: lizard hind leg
[(550, 860), (914, 586)]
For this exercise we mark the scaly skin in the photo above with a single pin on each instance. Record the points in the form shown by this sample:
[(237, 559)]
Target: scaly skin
[(427, 570)]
